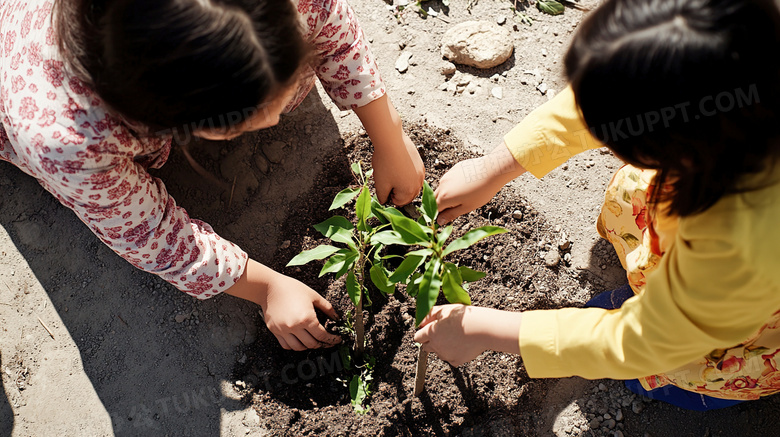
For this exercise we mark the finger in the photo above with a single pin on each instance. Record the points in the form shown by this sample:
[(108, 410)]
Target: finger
[(325, 306), (423, 335), (401, 198), (382, 191), (324, 337), (282, 342), (307, 339), (294, 343), (432, 316), (451, 214)]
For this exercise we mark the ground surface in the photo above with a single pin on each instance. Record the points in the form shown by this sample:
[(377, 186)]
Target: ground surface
[(129, 355)]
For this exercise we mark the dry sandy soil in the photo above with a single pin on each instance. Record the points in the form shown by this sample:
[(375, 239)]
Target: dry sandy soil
[(130, 355)]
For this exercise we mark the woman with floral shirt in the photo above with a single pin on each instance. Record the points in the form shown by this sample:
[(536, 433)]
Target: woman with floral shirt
[(84, 83)]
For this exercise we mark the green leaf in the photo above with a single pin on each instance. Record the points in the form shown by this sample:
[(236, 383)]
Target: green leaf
[(472, 237), (363, 208), (429, 209), (336, 228), (357, 168), (387, 238), (420, 252), (358, 391), (451, 285), (379, 278), (343, 197), (410, 231), (340, 262), (550, 7), (378, 211), (429, 289), (414, 284), (444, 234), (319, 252), (407, 267), (353, 288), (470, 275)]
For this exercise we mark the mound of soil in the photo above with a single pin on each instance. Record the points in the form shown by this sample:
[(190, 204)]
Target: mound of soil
[(304, 393)]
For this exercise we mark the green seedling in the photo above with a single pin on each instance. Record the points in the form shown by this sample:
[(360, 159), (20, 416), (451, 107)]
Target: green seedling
[(425, 271)]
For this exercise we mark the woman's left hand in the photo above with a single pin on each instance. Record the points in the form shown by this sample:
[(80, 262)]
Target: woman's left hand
[(398, 172)]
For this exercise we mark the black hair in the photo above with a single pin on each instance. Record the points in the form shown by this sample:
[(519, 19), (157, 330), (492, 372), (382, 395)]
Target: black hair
[(688, 87), (168, 63)]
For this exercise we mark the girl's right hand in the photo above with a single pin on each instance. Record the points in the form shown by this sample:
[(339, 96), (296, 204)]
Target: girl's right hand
[(289, 312), (473, 182)]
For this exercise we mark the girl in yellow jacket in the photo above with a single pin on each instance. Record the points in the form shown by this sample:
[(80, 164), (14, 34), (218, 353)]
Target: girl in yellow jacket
[(687, 93)]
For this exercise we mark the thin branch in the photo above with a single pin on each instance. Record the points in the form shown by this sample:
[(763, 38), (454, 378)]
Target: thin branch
[(46, 327)]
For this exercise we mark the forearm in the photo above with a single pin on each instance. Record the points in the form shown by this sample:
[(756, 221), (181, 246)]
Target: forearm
[(382, 123), (253, 284), (498, 330), (498, 167)]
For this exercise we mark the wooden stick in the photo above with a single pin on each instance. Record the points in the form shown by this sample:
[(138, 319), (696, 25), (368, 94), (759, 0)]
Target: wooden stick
[(360, 336), (422, 368), (46, 327), (232, 190)]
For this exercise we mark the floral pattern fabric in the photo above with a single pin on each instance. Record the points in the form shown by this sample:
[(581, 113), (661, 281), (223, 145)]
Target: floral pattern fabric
[(58, 130), (640, 237)]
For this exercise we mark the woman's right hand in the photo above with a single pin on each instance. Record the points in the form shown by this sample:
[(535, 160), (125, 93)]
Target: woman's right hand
[(473, 182)]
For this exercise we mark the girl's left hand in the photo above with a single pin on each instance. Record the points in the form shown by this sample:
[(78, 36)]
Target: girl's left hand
[(398, 172), (459, 333)]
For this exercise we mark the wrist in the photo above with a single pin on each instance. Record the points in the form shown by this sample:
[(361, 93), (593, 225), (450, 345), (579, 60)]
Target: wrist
[(254, 283), (497, 330)]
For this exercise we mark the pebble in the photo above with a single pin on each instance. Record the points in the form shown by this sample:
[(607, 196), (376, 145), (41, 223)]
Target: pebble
[(517, 214), (447, 68), (501, 20), (618, 433), (552, 258), (544, 52), (636, 407), (261, 163), (497, 92), (242, 360), (285, 244), (480, 44), (610, 423), (619, 415), (181, 317), (594, 424), (471, 88), (402, 63), (602, 387), (542, 87)]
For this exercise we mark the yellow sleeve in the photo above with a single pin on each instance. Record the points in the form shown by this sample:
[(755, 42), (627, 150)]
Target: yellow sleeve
[(550, 135), (710, 292)]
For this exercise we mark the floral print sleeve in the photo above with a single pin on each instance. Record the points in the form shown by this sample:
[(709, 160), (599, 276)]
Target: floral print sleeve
[(345, 64), (55, 129)]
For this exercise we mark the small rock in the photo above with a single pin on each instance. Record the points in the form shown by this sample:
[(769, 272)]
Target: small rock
[(181, 317), (564, 244), (240, 384), (567, 257), (274, 151), (285, 244), (610, 423), (444, 86), (517, 214), (544, 52), (471, 88), (242, 360), (602, 387), (542, 87), (447, 68), (262, 163), (495, 77), (479, 44), (607, 416), (619, 415), (636, 407), (618, 433), (501, 20), (402, 63), (552, 258), (594, 424), (461, 79), (497, 92)]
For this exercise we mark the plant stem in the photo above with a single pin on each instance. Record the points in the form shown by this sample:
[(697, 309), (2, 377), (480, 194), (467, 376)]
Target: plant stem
[(422, 368), (359, 331)]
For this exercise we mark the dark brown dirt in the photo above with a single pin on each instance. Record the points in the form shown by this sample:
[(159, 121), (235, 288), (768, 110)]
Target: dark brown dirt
[(303, 393)]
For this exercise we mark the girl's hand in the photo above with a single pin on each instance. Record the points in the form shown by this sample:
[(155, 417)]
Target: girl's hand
[(473, 182), (288, 307), (398, 169), (398, 172), (459, 333), (289, 313)]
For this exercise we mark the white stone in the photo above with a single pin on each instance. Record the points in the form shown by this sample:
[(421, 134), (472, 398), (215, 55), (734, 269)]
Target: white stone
[(402, 63), (497, 92), (480, 44)]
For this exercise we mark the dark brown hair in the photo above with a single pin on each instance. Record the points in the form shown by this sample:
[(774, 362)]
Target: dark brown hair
[(688, 87), (168, 63)]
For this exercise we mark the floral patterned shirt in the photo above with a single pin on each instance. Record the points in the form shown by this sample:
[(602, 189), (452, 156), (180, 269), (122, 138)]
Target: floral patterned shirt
[(58, 130)]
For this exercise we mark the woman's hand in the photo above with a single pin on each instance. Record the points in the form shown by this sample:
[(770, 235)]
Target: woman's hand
[(398, 169), (473, 182), (458, 333), (288, 307)]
